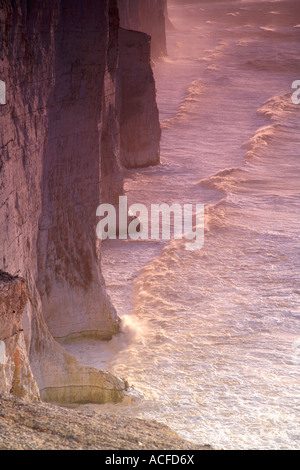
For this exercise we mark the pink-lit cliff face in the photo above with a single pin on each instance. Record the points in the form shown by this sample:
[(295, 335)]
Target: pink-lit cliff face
[(148, 16), (60, 158), (51, 157)]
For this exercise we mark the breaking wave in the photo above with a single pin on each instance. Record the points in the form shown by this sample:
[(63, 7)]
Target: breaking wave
[(261, 140), (278, 106), (278, 109), (188, 105), (224, 180)]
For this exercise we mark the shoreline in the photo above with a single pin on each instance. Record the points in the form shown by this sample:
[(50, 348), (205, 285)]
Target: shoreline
[(33, 425)]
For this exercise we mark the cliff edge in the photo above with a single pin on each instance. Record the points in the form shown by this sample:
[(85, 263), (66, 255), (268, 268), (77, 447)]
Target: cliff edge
[(148, 16)]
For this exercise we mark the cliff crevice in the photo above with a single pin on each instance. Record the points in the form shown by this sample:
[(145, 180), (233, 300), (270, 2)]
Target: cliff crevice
[(15, 372)]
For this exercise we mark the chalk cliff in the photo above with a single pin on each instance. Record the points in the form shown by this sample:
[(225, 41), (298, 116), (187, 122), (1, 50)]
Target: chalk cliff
[(58, 66), (139, 118), (79, 147), (61, 155), (146, 16), (15, 372)]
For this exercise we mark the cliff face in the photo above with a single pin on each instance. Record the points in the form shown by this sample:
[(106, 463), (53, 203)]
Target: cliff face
[(15, 372), (67, 91), (59, 70), (78, 148), (139, 117), (111, 172), (147, 16)]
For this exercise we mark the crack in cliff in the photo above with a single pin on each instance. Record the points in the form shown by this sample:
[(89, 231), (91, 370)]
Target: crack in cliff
[(12, 336), (5, 145)]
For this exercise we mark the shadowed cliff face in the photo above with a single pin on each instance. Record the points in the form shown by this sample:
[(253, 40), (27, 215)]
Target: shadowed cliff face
[(147, 16), (139, 119), (111, 172), (60, 145)]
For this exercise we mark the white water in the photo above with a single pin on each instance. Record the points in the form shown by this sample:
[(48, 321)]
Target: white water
[(210, 338)]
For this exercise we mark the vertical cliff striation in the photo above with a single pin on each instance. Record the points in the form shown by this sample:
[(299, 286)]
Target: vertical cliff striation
[(111, 172), (146, 16), (78, 149), (80, 103), (57, 63)]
